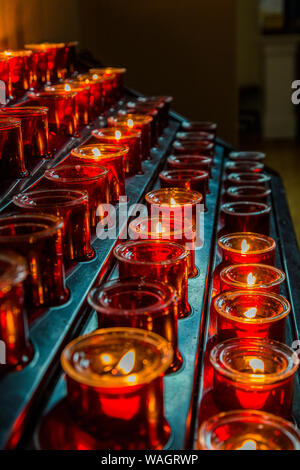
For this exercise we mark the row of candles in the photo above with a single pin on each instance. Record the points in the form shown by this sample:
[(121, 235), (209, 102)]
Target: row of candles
[(115, 375)]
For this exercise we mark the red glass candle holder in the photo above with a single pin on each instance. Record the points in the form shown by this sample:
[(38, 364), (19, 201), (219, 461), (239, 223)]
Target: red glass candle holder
[(248, 179), (247, 193), (5, 75), (38, 238), (249, 156), (240, 248), (149, 110), (176, 203), (35, 130), (198, 136), (246, 217), (136, 121), (12, 163), (129, 138), (163, 104), (118, 73), (252, 276), (90, 178), (20, 71), (160, 260), (248, 430), (188, 162), (141, 304), (96, 93), (254, 374), (73, 208), (82, 98), (255, 314), (115, 393), (111, 157), (244, 167), (195, 180), (200, 126), (156, 228), (62, 115), (50, 59), (13, 321), (205, 148)]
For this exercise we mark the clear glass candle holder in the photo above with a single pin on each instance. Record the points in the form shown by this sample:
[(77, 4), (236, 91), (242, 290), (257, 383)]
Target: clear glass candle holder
[(35, 130), (161, 228), (12, 164), (255, 314), (247, 193), (249, 156), (195, 180), (248, 179), (160, 260), (13, 319), (123, 136), (188, 162), (200, 126), (148, 305), (244, 166), (20, 71), (111, 157), (71, 206), (115, 393), (192, 147), (38, 238), (90, 178), (246, 217), (248, 430), (254, 374), (259, 277)]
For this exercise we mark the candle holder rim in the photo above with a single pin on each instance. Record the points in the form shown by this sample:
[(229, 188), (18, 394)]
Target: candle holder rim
[(117, 70), (24, 111), (9, 122), (265, 208), (281, 277), (243, 235), (56, 224), (254, 379), (120, 150), (260, 190), (44, 46), (141, 118), (163, 347), (195, 136), (142, 311), (16, 273), (51, 94), (193, 143), (196, 174), (261, 177), (72, 198), (4, 57), (202, 123), (141, 220), (253, 416), (86, 76), (75, 86), (134, 133), (150, 99), (248, 293), (183, 255), (196, 198), (49, 174), (17, 53), (254, 163), (245, 153), (178, 158)]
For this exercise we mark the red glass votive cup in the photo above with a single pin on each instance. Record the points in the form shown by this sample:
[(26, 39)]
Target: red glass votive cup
[(199, 136), (119, 74), (248, 430), (149, 110), (163, 104), (38, 238), (247, 193), (240, 248), (20, 71), (195, 180), (148, 305), (261, 277), (244, 167), (12, 163), (248, 179), (13, 320), (254, 374), (159, 260), (129, 138), (246, 217), (111, 157), (111, 395), (82, 98), (188, 162), (205, 147), (96, 93), (161, 228), (6, 90), (71, 206), (49, 61), (136, 121), (35, 130), (249, 156), (200, 126), (62, 115), (90, 178), (255, 314)]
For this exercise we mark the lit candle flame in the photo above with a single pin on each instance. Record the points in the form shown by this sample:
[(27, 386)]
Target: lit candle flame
[(245, 247), (130, 123), (67, 87), (96, 152), (106, 359), (127, 363), (118, 135), (257, 365), (172, 202), (248, 445), (251, 313), (95, 76), (251, 279)]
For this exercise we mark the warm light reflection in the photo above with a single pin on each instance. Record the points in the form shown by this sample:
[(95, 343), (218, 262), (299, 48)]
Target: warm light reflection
[(106, 359), (130, 123), (127, 363), (257, 365), (67, 87), (248, 445), (172, 202), (118, 135), (251, 279), (95, 76), (245, 247), (96, 152), (251, 313)]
